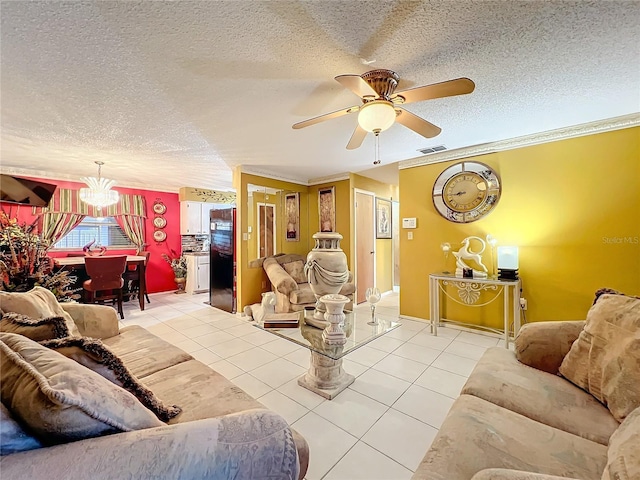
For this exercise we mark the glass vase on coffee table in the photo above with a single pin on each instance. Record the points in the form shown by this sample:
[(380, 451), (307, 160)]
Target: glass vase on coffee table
[(373, 296)]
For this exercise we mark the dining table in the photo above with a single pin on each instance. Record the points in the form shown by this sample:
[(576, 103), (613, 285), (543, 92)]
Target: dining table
[(77, 263)]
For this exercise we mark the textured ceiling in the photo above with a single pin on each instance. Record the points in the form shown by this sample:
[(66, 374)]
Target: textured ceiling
[(172, 94)]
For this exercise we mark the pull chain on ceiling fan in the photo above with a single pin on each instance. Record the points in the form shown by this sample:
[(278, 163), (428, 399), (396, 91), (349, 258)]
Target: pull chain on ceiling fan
[(381, 104)]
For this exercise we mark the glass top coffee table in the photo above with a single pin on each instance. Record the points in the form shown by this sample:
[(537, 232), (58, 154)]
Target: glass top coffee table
[(326, 376)]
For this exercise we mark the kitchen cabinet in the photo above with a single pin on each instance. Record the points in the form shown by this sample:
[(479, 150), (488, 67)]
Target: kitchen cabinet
[(194, 218), (197, 273)]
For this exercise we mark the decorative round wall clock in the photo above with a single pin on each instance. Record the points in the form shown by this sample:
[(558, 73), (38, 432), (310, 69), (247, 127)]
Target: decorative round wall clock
[(466, 191)]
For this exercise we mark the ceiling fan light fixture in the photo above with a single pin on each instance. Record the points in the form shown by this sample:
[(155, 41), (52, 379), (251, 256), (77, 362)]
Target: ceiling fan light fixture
[(98, 193), (376, 116)]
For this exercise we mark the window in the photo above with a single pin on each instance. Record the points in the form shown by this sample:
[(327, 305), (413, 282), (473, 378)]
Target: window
[(105, 231)]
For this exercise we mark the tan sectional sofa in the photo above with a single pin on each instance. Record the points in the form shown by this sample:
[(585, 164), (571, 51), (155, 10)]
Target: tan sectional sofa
[(516, 419), (212, 407)]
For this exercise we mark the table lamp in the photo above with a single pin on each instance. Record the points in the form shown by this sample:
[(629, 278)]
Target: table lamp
[(508, 263)]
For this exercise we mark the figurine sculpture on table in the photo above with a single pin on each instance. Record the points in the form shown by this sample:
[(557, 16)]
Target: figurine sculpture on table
[(466, 254), (326, 271)]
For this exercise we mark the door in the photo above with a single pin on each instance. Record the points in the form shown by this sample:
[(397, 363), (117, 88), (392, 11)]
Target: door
[(266, 229), (365, 243)]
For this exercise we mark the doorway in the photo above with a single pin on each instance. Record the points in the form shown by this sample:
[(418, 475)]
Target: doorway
[(266, 229), (365, 243)]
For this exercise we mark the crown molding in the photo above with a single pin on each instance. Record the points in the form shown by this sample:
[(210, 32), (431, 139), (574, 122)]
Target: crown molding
[(273, 176), (591, 128), (333, 178), (26, 172)]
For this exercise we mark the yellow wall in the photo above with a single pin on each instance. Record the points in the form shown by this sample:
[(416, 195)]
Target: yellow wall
[(250, 281), (572, 207), (383, 246)]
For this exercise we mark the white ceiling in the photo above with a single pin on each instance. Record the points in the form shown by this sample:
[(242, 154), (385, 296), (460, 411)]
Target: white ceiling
[(172, 94)]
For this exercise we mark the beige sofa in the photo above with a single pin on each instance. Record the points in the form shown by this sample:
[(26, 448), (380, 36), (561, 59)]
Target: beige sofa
[(292, 290), (516, 419), (190, 446)]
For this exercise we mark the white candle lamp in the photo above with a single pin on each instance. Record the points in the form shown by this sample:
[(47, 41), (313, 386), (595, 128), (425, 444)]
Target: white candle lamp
[(508, 263)]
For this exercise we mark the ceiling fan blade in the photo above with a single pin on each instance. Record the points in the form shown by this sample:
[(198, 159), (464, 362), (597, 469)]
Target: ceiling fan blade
[(326, 116), (357, 138), (459, 86), (417, 124), (357, 85)]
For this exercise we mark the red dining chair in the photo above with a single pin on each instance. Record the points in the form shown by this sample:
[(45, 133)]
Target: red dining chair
[(132, 278), (105, 282)]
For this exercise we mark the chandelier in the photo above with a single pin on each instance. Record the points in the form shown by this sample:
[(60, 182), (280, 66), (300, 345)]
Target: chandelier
[(99, 193)]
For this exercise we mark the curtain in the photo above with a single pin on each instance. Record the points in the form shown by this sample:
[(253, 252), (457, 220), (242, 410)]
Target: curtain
[(130, 214), (65, 211), (133, 227), (56, 225)]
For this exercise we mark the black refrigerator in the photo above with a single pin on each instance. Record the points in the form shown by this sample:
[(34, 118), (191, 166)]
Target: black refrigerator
[(222, 290)]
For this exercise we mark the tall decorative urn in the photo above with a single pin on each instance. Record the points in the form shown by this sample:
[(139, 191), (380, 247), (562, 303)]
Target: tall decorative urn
[(326, 271)]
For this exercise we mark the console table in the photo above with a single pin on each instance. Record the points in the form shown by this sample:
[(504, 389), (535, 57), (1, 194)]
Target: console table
[(468, 294)]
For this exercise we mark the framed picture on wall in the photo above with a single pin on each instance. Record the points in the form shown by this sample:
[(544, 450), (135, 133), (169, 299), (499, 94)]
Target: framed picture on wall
[(292, 216), (327, 206), (383, 218)]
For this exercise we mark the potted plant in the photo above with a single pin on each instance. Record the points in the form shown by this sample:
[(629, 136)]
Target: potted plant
[(24, 262), (178, 264)]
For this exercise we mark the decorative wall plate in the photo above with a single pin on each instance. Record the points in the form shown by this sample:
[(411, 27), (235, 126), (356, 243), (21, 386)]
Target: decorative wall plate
[(159, 208), (159, 236), (159, 222)]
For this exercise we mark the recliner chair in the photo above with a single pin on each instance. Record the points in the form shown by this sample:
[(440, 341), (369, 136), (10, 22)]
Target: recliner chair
[(289, 282)]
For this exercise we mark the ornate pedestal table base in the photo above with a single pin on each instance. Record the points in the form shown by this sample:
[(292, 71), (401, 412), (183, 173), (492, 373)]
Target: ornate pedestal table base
[(325, 376)]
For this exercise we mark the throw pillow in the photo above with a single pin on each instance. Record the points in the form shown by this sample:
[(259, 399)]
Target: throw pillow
[(610, 291), (624, 450), (36, 303), (13, 438), (60, 400), (604, 360), (37, 330), (96, 356), (296, 270)]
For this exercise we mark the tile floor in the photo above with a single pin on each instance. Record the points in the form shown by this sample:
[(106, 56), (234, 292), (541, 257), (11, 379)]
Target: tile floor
[(379, 428)]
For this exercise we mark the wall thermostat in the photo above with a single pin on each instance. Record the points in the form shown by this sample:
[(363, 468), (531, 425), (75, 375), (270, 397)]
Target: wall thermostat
[(409, 222)]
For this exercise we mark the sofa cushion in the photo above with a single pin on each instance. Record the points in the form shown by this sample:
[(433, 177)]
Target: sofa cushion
[(478, 434), (94, 355), (60, 400), (296, 270), (543, 345), (13, 438), (499, 378), (36, 303), (200, 391), (35, 329), (302, 295), (624, 450), (605, 359), (143, 353)]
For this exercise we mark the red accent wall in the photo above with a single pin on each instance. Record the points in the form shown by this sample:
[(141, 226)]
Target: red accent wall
[(159, 274)]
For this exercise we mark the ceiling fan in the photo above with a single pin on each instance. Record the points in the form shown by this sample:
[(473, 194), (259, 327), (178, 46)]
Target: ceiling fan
[(381, 104)]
